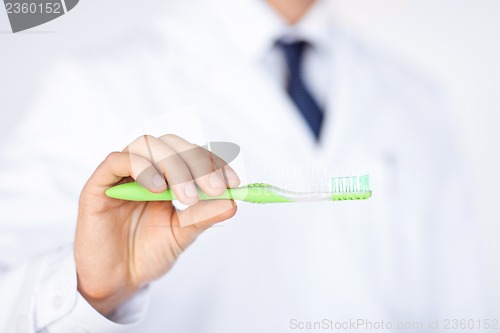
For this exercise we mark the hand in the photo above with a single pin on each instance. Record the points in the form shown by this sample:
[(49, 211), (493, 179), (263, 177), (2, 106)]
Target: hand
[(120, 246)]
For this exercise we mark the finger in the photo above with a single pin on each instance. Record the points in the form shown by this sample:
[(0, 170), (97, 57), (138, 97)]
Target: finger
[(169, 164), (201, 161), (210, 172), (118, 165)]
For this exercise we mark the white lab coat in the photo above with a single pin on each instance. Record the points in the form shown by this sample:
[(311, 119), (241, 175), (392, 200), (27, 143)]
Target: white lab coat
[(408, 253)]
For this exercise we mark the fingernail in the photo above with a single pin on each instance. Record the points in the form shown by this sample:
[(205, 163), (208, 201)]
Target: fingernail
[(190, 190), (232, 177), (215, 181), (158, 181)]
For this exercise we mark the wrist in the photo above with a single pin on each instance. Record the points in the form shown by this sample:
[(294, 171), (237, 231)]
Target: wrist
[(105, 301)]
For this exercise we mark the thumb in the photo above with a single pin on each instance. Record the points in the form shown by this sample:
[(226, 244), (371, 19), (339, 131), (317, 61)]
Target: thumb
[(198, 218)]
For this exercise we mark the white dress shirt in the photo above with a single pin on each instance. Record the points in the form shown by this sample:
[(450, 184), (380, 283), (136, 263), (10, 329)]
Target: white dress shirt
[(408, 253)]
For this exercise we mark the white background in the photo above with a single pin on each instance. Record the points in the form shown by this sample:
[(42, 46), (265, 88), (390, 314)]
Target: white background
[(454, 42)]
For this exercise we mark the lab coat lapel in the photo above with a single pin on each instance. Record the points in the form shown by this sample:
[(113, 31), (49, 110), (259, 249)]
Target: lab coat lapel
[(261, 106), (337, 107)]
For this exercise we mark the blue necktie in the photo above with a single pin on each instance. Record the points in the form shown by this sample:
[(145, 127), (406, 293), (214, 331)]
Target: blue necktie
[(296, 88)]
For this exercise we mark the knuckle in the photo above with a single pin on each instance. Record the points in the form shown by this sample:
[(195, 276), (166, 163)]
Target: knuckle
[(202, 158), (112, 156), (175, 161), (143, 138), (169, 137), (216, 159)]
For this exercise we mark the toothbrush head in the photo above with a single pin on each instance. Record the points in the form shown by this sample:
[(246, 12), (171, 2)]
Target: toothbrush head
[(342, 188), (351, 188)]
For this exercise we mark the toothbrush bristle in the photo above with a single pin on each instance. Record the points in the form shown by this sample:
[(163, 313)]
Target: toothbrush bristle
[(351, 184)]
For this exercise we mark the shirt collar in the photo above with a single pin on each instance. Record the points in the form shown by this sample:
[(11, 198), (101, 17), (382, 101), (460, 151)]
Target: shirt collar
[(254, 27), (315, 27)]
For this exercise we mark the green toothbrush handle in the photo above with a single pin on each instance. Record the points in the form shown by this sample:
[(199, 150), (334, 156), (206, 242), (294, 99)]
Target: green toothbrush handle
[(256, 193)]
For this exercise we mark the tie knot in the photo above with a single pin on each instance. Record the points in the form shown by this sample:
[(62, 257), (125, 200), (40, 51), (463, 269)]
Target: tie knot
[(293, 51)]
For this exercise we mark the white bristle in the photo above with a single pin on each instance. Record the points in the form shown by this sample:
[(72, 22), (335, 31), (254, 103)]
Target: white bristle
[(350, 184)]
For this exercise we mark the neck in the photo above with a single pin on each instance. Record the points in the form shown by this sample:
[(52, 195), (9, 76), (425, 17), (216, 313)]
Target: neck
[(291, 10)]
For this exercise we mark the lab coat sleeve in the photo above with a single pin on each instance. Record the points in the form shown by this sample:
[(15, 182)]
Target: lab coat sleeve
[(41, 296), (44, 164)]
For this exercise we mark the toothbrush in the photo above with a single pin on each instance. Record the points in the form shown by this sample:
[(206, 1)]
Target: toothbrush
[(342, 188)]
